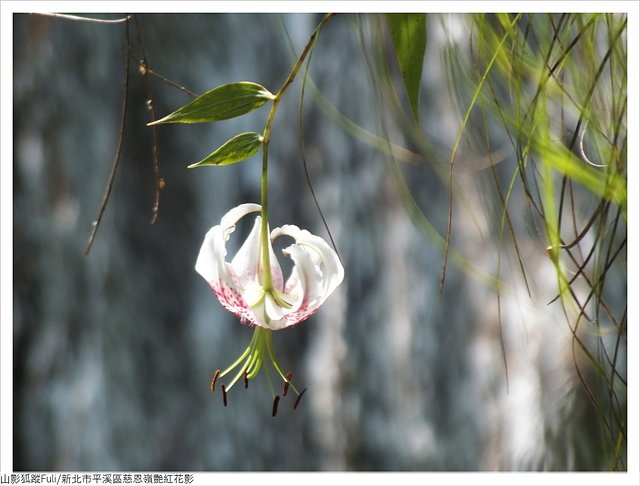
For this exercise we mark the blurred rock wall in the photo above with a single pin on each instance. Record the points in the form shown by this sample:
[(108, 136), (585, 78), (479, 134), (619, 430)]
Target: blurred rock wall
[(113, 351)]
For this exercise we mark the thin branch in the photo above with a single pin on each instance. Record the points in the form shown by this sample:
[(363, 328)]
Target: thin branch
[(84, 19), (303, 55), (158, 180), (116, 160), (145, 69), (456, 145), (304, 159)]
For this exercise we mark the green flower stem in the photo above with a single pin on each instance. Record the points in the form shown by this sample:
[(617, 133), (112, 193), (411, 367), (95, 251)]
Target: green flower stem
[(267, 283)]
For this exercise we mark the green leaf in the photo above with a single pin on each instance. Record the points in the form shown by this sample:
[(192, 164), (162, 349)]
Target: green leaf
[(224, 102), (239, 148), (409, 35), (612, 186)]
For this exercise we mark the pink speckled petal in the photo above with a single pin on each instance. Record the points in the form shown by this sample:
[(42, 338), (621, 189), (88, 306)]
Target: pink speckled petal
[(238, 284)]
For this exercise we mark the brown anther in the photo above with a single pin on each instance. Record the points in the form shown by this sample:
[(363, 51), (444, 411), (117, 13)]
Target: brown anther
[(246, 379), (299, 398), (214, 378), (224, 395), (276, 400), (285, 387), (142, 69)]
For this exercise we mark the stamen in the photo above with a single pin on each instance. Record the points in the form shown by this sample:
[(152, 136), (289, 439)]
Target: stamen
[(212, 386), (285, 387), (276, 400), (224, 396), (299, 398), (246, 378)]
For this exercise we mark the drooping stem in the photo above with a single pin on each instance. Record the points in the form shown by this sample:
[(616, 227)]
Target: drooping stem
[(303, 55), (267, 283)]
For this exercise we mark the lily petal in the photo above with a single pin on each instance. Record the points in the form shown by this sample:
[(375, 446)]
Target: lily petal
[(219, 274), (239, 284), (247, 261), (210, 263), (276, 313), (248, 264), (316, 274)]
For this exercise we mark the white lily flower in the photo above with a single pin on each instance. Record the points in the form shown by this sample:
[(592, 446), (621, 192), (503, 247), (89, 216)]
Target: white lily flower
[(238, 284), (269, 306)]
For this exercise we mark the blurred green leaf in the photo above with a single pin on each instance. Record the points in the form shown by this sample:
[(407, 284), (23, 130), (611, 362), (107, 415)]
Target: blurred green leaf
[(612, 187), (409, 35), (224, 102), (239, 148)]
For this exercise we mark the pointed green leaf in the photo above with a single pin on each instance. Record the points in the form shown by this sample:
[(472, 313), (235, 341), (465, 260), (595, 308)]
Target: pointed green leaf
[(239, 148), (224, 102), (409, 35)]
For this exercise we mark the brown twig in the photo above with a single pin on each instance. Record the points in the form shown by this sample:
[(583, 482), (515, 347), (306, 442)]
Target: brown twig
[(116, 160), (158, 180)]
